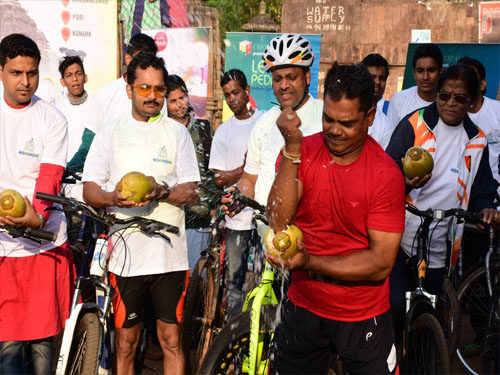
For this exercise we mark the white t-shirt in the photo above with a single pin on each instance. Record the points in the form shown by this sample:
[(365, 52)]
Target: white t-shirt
[(440, 192), (381, 129), (86, 115), (162, 149), (28, 137), (49, 91), (404, 102), (229, 146), (113, 100), (380, 105), (266, 143), (488, 119)]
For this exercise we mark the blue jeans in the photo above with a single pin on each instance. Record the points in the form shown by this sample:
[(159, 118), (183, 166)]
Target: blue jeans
[(21, 357), (238, 245), (197, 241)]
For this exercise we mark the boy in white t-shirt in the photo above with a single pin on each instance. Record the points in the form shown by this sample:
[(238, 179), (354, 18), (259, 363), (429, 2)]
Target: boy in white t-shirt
[(142, 265), (35, 278), (83, 113), (427, 65), (227, 159)]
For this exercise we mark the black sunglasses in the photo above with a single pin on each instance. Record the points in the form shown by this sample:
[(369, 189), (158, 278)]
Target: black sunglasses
[(459, 98)]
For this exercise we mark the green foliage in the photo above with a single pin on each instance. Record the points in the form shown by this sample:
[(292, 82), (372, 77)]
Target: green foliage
[(233, 14)]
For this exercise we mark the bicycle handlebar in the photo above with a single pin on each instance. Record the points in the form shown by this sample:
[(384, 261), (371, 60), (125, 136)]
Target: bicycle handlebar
[(237, 197), (440, 214), (148, 226), (33, 234)]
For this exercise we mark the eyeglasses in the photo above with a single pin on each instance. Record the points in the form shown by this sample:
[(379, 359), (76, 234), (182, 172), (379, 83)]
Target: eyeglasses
[(459, 98), (145, 90)]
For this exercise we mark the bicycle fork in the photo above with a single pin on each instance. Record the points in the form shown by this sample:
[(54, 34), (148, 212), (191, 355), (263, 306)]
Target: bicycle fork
[(262, 295)]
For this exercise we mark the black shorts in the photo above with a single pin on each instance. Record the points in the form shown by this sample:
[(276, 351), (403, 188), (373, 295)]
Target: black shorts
[(133, 293), (304, 343)]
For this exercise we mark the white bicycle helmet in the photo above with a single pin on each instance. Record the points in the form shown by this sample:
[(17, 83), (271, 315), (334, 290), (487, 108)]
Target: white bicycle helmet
[(288, 50)]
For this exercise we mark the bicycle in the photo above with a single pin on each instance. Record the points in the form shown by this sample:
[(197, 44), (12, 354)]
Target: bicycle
[(426, 340), (82, 341), (204, 307), (243, 345), (479, 296)]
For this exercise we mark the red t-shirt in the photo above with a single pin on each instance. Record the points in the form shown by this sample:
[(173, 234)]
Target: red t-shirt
[(338, 205)]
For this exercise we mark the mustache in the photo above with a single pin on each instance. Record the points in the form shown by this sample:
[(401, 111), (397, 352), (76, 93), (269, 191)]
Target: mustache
[(152, 102)]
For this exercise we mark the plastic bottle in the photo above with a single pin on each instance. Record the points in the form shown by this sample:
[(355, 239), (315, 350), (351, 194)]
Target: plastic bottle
[(100, 257)]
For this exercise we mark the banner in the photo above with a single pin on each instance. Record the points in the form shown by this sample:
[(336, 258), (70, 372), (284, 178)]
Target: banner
[(489, 22), (87, 28), (488, 54), (244, 51), (185, 51)]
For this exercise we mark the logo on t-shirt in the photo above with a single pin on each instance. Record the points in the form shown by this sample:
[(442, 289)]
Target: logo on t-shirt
[(162, 156), (29, 147)]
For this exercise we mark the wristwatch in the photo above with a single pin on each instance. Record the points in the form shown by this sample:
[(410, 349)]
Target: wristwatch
[(165, 193)]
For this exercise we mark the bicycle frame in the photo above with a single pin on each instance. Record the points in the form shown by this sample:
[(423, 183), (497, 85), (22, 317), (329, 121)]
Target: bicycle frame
[(77, 308), (261, 295)]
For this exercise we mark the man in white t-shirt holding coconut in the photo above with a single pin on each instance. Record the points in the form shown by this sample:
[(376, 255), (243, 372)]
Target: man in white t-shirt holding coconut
[(161, 148), (227, 159)]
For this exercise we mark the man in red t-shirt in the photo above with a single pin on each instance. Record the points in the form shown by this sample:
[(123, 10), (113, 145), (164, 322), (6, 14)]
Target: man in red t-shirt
[(348, 197)]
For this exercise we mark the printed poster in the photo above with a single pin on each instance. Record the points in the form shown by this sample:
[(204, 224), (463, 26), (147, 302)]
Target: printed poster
[(489, 22), (185, 51), (87, 28), (244, 51)]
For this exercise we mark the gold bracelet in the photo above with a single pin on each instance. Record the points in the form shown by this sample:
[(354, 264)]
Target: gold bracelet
[(294, 158)]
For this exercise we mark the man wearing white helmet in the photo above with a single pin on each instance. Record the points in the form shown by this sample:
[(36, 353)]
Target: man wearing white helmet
[(288, 58)]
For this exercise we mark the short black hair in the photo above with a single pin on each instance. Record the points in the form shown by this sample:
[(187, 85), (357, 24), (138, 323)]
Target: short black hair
[(428, 50), (481, 71), (145, 60), (350, 82), (375, 59), (14, 45), (175, 82), (70, 60), (141, 43), (234, 75), (465, 73)]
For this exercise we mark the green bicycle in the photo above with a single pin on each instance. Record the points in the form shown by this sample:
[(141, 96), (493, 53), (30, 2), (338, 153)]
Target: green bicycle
[(243, 345)]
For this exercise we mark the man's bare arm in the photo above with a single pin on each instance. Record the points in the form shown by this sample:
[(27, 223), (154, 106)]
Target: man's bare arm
[(372, 264), (285, 194), (247, 184), (179, 195), (227, 178)]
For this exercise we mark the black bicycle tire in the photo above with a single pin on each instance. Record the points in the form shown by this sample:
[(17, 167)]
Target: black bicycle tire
[(428, 326), (234, 336), (449, 315), (196, 296), (463, 293), (89, 323)]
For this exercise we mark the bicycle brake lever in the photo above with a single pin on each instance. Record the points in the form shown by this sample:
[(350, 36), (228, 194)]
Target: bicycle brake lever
[(164, 236)]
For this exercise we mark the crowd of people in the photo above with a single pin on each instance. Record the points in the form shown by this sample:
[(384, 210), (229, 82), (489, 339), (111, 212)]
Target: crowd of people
[(332, 166)]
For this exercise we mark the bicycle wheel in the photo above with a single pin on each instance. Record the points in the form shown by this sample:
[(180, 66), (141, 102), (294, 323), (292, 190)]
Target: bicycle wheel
[(229, 351), (478, 347), (448, 314), (426, 351), (198, 311), (84, 353)]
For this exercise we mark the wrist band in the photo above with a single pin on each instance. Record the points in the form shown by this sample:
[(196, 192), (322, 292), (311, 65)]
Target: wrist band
[(294, 158)]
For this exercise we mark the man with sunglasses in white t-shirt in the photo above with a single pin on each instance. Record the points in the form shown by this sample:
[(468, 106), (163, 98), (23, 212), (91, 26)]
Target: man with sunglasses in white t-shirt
[(141, 265)]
